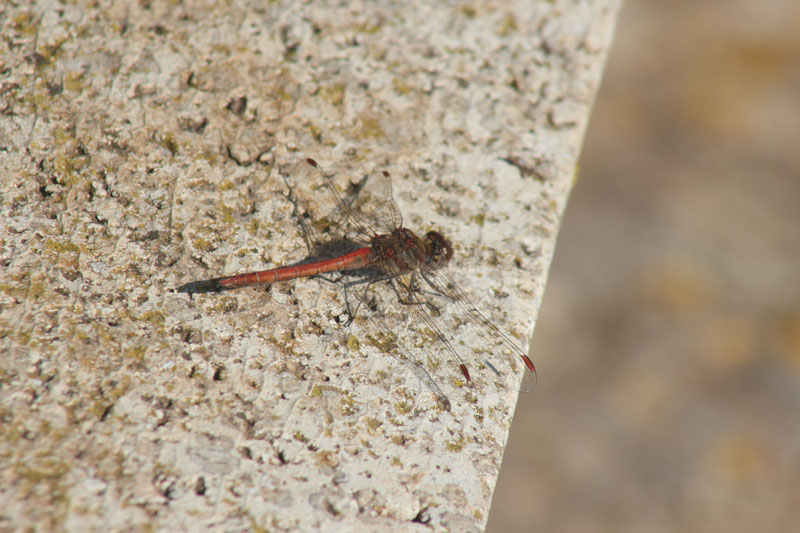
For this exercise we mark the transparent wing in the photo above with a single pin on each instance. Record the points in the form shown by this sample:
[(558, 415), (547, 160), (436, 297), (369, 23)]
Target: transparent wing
[(386, 341), (366, 207), (375, 202), (498, 358)]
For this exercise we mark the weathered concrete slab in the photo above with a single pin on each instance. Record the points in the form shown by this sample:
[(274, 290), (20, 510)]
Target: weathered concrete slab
[(139, 149)]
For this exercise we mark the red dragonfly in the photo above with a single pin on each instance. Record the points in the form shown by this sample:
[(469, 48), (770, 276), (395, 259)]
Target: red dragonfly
[(387, 251)]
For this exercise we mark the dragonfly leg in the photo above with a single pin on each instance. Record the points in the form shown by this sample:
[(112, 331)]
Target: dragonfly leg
[(352, 313), (435, 289), (409, 298)]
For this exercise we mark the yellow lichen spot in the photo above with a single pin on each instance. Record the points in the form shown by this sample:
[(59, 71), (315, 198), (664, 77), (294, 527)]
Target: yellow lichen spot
[(284, 95), (396, 461), (99, 408), (50, 470), (456, 445), (50, 51), (429, 335), (11, 290), (401, 86), (353, 344), (24, 23), (403, 407), (61, 247), (168, 141), (137, 353), (36, 290), (315, 131), (227, 212), (203, 245), (322, 225), (368, 28), (210, 157), (69, 165), (469, 11), (154, 317), (227, 305), (333, 93), (73, 81), (63, 136), (328, 458), (508, 26), (348, 406), (370, 128), (226, 185), (253, 226), (221, 49), (385, 342), (434, 364), (255, 527), (23, 336)]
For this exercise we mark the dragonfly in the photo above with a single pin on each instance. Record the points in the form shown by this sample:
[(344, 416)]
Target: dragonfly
[(381, 249)]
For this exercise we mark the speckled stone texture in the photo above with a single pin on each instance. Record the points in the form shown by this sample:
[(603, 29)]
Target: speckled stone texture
[(140, 145)]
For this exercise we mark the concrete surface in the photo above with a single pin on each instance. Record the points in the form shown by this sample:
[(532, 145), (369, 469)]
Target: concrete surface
[(139, 149)]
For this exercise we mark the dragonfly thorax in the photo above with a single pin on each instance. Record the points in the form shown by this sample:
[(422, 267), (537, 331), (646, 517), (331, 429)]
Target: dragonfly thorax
[(402, 251)]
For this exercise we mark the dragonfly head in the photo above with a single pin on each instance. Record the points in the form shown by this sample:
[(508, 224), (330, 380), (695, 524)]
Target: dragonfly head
[(440, 251)]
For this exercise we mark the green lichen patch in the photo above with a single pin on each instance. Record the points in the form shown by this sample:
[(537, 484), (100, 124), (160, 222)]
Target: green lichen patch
[(169, 142), (457, 444), (383, 341), (369, 127), (204, 245), (333, 93), (154, 317)]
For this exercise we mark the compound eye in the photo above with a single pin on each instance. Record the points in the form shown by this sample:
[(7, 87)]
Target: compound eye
[(441, 247)]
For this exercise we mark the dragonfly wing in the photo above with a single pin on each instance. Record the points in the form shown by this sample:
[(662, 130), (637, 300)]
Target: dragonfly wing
[(386, 342), (375, 202), (503, 359), (366, 207)]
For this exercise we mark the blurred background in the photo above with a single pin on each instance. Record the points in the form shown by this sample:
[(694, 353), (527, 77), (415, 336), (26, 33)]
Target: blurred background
[(668, 345)]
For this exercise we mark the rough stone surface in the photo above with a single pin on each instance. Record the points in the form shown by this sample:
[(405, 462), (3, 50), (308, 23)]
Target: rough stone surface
[(139, 149)]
